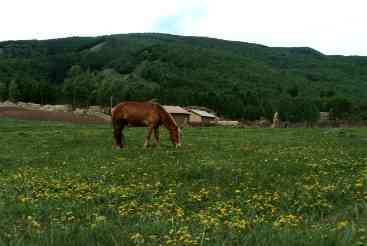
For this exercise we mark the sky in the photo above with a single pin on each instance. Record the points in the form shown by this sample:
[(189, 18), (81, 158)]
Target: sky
[(333, 27)]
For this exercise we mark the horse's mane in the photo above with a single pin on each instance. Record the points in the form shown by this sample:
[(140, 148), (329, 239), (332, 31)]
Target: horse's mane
[(166, 117)]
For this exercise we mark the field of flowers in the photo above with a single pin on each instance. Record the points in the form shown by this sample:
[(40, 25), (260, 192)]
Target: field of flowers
[(64, 184)]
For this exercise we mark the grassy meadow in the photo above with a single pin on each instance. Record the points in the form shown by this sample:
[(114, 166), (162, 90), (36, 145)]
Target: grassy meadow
[(64, 184)]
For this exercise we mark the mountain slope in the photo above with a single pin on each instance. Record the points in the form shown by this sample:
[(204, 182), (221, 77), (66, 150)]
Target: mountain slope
[(187, 66)]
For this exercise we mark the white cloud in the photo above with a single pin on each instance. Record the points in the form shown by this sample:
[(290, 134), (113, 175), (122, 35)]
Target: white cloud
[(334, 27), (331, 26), (46, 18)]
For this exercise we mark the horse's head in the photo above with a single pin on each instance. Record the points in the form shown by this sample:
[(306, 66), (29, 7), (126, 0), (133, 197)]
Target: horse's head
[(175, 134)]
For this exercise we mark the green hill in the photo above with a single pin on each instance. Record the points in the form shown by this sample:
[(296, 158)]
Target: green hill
[(236, 78)]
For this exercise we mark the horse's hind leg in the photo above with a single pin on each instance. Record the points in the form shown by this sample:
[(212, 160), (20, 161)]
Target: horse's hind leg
[(117, 133)]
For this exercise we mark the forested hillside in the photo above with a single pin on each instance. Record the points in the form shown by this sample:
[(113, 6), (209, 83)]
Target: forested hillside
[(238, 80)]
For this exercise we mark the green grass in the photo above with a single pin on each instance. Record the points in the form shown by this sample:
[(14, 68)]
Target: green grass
[(64, 184)]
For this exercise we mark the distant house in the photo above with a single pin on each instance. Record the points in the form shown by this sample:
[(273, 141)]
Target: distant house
[(228, 122), (201, 117), (324, 116), (180, 115)]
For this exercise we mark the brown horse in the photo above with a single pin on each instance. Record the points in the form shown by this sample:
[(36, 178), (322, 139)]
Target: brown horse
[(147, 114)]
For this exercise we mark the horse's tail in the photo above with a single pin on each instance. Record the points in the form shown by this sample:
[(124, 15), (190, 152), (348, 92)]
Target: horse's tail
[(113, 110), (114, 116)]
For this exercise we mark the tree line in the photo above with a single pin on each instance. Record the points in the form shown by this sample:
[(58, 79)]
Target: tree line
[(83, 87)]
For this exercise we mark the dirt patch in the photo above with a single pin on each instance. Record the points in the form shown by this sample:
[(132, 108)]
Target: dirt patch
[(9, 108), (24, 114)]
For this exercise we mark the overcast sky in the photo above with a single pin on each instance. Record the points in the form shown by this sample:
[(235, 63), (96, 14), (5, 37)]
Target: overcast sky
[(330, 26)]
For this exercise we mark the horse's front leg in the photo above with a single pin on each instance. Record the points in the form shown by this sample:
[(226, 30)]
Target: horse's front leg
[(147, 138), (156, 135)]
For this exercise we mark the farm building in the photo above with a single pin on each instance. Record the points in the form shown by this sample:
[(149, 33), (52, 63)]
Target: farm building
[(201, 117), (180, 115), (228, 122), (324, 116)]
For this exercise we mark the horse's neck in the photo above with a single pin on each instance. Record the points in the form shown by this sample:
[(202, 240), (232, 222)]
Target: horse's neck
[(169, 123), (167, 120)]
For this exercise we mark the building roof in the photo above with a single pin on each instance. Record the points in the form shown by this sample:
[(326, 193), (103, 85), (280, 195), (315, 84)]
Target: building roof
[(202, 113), (175, 109)]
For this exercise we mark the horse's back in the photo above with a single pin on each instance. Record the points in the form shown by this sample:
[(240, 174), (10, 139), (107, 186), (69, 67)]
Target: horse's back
[(136, 113)]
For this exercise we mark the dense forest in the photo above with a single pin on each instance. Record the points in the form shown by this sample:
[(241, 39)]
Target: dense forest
[(236, 79)]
